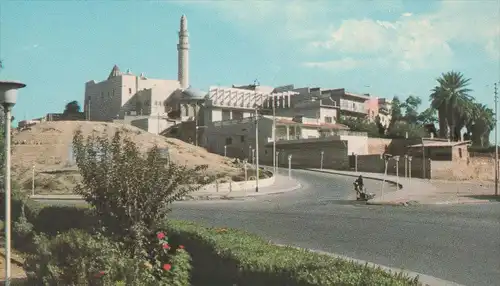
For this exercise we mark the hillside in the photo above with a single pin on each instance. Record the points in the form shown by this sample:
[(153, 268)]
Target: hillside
[(48, 147)]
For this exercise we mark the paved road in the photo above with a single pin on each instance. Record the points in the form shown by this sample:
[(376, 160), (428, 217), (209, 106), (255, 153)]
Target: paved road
[(455, 243)]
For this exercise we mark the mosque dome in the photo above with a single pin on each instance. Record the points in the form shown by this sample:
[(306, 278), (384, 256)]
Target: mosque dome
[(193, 94)]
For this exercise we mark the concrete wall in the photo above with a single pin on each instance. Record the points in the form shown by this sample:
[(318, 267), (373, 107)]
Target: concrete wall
[(375, 164), (334, 156), (475, 168), (356, 144), (241, 134), (151, 124)]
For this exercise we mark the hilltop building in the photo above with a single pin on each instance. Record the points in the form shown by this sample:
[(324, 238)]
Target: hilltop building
[(150, 104)]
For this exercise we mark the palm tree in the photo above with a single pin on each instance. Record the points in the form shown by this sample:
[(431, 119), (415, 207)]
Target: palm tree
[(481, 124), (450, 98)]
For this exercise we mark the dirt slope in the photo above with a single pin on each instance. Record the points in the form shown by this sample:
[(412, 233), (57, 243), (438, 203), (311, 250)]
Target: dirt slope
[(48, 147)]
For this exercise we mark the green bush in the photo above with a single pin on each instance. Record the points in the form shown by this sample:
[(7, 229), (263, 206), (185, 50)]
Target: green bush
[(228, 256), (79, 258), (130, 192)]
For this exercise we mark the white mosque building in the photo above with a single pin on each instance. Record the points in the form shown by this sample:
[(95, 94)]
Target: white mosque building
[(219, 119), (151, 104)]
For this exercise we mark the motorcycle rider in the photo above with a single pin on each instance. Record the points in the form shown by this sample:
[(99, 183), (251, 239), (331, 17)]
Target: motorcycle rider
[(359, 186)]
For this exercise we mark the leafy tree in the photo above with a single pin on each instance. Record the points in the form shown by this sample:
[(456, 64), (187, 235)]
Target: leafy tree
[(361, 125), (410, 107), (130, 192), (400, 128), (72, 110), (427, 116), (481, 124)]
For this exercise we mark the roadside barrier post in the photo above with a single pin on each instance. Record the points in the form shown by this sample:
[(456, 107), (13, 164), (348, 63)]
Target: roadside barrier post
[(409, 168), (356, 163), (321, 164), (397, 171), (290, 166), (406, 166), (277, 161), (386, 163), (225, 150), (246, 170)]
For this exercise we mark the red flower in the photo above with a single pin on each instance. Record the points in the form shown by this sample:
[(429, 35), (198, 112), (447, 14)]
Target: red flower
[(167, 267), (160, 235), (100, 274), (181, 246), (166, 246)]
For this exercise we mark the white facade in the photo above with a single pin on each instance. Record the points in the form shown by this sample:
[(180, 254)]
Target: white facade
[(183, 53), (124, 94), (225, 103)]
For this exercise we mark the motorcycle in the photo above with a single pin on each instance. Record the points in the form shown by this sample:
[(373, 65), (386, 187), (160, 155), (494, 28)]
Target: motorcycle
[(362, 195)]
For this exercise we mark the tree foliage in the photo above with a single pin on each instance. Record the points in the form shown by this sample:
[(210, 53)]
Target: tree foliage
[(361, 125), (72, 107), (458, 109), (130, 192)]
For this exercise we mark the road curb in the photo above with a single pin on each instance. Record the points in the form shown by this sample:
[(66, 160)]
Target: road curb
[(201, 197), (423, 279), (248, 195)]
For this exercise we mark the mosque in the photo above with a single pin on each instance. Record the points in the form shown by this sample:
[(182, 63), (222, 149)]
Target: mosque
[(222, 119)]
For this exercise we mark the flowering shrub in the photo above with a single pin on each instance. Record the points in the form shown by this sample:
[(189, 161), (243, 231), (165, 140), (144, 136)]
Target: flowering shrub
[(79, 258), (130, 192)]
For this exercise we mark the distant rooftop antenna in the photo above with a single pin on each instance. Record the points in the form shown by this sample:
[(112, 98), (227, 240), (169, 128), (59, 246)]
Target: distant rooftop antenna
[(256, 82)]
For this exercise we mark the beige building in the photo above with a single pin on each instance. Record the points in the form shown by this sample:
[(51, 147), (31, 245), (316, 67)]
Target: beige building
[(150, 104)]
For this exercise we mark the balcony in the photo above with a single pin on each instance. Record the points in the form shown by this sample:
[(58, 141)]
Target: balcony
[(321, 135)]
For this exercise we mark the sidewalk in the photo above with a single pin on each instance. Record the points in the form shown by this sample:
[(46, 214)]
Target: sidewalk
[(422, 191), (282, 184)]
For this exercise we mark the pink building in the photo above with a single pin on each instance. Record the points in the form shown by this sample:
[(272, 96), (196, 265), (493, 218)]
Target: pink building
[(371, 106)]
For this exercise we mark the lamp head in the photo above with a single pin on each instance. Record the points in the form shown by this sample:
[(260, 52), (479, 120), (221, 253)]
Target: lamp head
[(8, 92)]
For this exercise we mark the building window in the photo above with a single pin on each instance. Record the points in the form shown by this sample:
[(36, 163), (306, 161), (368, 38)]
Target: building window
[(328, 119), (460, 152), (129, 91), (113, 92), (229, 141), (242, 138)]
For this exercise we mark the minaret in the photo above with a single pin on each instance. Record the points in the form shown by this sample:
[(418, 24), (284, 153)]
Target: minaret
[(183, 53)]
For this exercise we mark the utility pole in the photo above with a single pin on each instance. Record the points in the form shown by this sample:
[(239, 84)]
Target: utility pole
[(196, 125), (256, 150), (274, 134), (496, 140)]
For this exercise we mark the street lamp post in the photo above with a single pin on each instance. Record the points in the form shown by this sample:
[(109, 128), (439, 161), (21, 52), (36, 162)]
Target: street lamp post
[(8, 96), (256, 149), (274, 134), (290, 166), (496, 140)]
